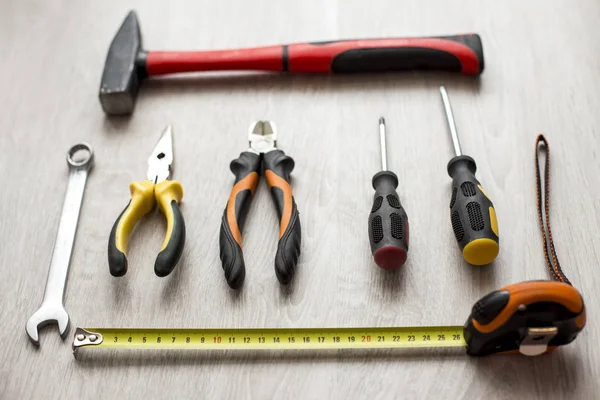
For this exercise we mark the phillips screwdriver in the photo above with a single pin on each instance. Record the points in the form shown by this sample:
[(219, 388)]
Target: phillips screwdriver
[(388, 223), (471, 211)]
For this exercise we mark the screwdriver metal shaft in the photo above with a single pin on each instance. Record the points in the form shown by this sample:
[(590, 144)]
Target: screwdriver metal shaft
[(450, 119), (388, 223), (472, 213), (383, 145)]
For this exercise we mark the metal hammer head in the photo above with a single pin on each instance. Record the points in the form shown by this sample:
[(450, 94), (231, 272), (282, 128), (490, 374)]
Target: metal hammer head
[(123, 69)]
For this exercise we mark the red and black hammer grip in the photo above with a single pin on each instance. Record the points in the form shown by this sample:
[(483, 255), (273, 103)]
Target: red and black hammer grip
[(278, 168), (458, 53), (462, 53), (246, 169)]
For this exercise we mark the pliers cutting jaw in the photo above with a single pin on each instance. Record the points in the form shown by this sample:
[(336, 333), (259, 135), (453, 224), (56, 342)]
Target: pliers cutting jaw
[(262, 136), (247, 168), (157, 189)]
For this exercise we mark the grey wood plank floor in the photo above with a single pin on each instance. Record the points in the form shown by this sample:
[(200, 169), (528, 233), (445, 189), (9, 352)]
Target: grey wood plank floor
[(542, 73)]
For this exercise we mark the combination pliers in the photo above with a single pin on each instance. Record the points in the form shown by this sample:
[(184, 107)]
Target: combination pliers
[(144, 197), (262, 154)]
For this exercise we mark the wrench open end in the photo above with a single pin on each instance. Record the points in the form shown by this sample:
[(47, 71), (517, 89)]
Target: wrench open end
[(46, 316)]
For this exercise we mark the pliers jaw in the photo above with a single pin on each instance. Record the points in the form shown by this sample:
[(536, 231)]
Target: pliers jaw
[(262, 136), (159, 163)]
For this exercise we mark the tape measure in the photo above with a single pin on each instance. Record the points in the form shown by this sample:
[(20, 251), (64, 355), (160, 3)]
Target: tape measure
[(270, 338), (528, 317)]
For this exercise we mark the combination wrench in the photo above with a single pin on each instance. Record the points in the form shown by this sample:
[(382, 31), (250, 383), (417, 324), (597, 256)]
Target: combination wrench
[(52, 309)]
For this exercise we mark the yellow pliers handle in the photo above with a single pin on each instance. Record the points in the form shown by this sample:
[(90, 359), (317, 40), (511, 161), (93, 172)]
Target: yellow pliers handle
[(144, 196)]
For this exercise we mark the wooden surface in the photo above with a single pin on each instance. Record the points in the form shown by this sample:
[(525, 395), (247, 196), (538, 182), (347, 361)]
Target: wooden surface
[(542, 73)]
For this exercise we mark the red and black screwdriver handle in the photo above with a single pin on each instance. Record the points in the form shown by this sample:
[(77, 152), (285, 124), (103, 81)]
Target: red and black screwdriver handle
[(246, 169), (500, 320), (388, 223), (457, 53)]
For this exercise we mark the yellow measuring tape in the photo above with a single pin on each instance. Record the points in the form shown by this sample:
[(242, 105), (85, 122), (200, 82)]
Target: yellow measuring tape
[(269, 338)]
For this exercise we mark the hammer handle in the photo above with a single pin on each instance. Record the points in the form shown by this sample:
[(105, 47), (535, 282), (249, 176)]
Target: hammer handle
[(459, 53)]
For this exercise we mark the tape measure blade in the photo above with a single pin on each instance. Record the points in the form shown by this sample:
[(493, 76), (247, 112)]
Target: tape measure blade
[(270, 338)]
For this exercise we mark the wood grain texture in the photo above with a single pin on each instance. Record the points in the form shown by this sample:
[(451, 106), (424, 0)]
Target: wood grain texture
[(542, 73)]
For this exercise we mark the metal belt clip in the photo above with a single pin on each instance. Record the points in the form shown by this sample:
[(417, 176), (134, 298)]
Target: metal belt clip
[(536, 341)]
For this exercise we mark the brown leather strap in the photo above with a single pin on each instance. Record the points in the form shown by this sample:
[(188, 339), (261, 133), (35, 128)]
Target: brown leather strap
[(551, 258)]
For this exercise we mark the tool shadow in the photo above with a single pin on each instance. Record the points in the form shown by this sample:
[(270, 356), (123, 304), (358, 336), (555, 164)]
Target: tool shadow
[(530, 377), (545, 376), (392, 282), (120, 358), (301, 83), (483, 278)]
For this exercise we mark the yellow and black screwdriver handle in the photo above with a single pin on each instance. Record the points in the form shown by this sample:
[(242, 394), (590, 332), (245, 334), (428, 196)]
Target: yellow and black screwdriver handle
[(503, 320), (472, 213), (144, 196), (246, 169)]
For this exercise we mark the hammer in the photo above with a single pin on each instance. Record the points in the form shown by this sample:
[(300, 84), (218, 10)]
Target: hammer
[(127, 64)]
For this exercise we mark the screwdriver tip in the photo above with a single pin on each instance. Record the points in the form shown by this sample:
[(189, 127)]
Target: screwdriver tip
[(381, 121)]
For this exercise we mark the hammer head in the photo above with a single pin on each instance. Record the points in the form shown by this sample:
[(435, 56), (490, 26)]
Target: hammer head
[(123, 69)]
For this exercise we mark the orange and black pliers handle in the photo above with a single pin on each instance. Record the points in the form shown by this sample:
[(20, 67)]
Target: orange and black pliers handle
[(246, 169), (278, 167)]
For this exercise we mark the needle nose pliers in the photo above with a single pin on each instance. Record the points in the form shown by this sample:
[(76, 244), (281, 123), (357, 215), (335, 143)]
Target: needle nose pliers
[(263, 152), (144, 196)]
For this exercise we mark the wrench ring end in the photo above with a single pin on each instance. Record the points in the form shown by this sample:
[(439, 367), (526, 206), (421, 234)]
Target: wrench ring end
[(87, 159)]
